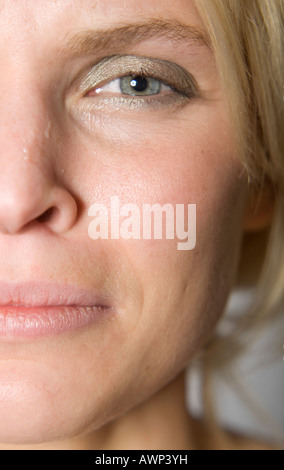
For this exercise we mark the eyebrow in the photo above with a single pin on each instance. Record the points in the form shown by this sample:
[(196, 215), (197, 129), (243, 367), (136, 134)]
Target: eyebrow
[(88, 41)]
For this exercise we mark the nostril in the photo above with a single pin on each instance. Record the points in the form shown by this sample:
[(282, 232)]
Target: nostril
[(52, 207), (46, 216)]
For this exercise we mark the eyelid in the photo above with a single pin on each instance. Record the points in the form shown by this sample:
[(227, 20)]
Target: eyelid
[(119, 66)]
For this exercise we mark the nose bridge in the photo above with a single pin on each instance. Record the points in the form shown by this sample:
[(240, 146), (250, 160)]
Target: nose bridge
[(31, 192), (28, 187), (23, 108), (24, 83), (24, 125)]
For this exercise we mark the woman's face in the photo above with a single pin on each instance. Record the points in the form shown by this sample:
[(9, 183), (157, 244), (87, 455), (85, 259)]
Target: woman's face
[(74, 133)]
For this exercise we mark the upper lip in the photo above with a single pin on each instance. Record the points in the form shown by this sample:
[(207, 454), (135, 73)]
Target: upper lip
[(49, 293)]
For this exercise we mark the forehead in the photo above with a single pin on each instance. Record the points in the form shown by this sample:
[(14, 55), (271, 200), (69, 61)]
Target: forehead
[(78, 27), (68, 13)]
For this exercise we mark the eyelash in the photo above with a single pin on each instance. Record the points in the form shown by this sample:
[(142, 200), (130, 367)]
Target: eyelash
[(109, 83), (116, 86)]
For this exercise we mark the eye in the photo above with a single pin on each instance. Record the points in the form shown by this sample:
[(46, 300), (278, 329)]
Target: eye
[(136, 82), (134, 86), (140, 86)]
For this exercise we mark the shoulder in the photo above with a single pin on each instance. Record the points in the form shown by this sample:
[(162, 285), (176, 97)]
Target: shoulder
[(238, 442), (214, 438)]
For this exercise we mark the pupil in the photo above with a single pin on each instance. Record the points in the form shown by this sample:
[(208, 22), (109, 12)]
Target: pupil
[(139, 84)]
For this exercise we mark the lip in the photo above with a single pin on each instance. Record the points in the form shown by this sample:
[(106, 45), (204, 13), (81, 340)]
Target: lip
[(37, 309)]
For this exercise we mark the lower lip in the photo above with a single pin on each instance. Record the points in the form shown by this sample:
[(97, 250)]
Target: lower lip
[(32, 322)]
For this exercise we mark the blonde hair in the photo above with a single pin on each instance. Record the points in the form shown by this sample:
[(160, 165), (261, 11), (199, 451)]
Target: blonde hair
[(248, 41)]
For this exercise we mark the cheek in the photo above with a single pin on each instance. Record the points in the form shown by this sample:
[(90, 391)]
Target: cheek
[(189, 159), (151, 158), (185, 160)]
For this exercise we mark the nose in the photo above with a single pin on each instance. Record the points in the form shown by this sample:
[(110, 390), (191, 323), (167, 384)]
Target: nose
[(31, 192), (32, 202)]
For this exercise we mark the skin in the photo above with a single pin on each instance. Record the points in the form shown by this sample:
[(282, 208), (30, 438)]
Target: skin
[(58, 151)]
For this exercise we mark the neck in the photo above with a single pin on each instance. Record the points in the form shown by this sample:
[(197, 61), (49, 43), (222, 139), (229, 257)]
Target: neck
[(162, 422)]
